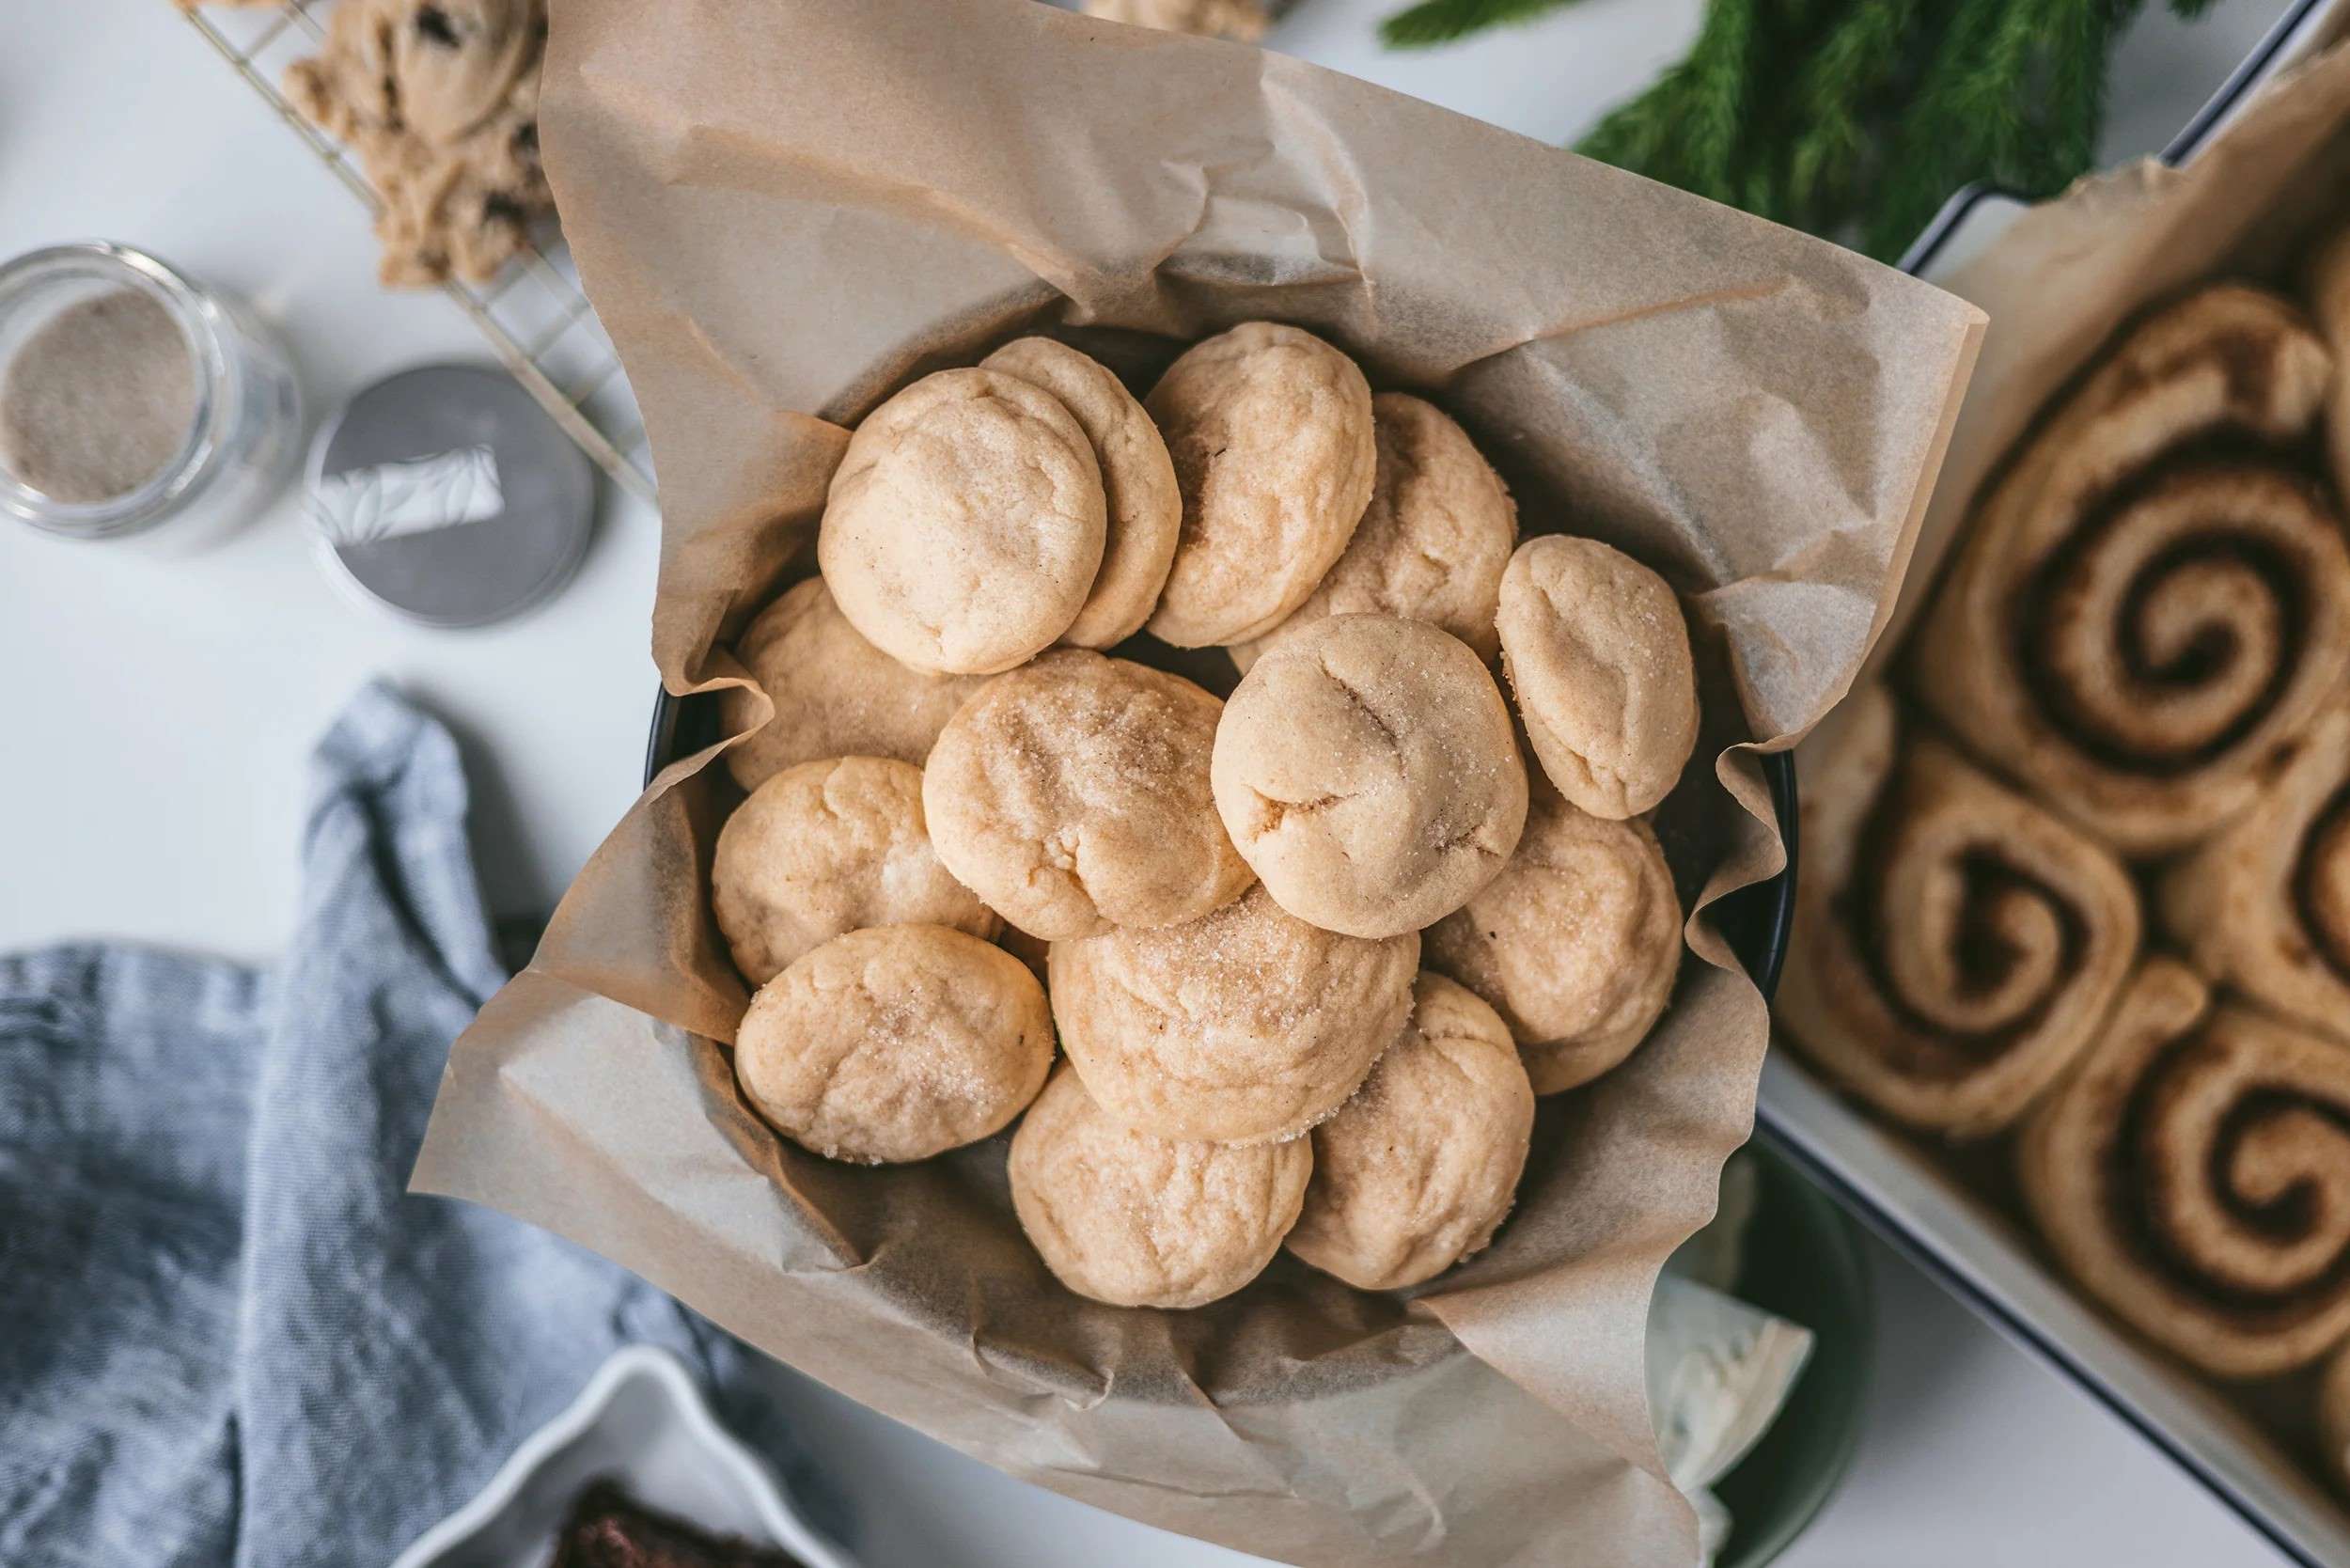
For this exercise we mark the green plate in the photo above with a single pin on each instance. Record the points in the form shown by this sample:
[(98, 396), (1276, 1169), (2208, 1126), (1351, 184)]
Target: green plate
[(1803, 1260)]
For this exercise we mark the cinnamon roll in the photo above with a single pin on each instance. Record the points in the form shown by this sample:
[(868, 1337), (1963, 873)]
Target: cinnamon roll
[(2194, 1176), (2152, 600), (2266, 905), (1955, 945)]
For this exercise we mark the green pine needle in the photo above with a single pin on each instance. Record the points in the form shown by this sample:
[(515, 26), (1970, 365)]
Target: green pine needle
[(1854, 118), (1435, 22)]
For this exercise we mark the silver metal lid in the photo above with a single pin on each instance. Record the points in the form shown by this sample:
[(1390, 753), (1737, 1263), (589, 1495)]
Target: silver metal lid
[(481, 561)]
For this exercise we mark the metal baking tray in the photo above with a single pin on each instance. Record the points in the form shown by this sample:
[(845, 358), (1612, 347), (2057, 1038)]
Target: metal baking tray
[(1974, 1250)]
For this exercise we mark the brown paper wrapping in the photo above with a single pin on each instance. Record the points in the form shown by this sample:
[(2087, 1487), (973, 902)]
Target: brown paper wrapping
[(784, 211)]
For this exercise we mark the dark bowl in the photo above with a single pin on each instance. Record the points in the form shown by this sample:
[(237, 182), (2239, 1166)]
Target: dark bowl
[(1803, 1260)]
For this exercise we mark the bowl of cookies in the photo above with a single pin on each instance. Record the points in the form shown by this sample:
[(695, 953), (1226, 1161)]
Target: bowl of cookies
[(1197, 925), (1303, 804)]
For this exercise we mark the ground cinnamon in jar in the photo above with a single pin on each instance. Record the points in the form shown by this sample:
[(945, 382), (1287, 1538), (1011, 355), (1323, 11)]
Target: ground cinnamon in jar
[(98, 400)]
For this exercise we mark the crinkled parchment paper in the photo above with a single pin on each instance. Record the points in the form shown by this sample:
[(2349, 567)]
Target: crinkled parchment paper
[(785, 208)]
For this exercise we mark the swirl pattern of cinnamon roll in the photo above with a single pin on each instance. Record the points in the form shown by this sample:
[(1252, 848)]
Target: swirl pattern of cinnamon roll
[(2266, 905), (2151, 603), (2194, 1176), (1955, 945)]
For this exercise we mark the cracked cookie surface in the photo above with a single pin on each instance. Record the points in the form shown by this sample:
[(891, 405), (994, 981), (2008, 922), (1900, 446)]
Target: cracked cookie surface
[(1575, 944), (1433, 544), (1366, 771), (895, 1043), (1597, 651), (1145, 509), (1244, 1026), (1270, 431), (1071, 794), (830, 847), (1135, 1221), (1416, 1170), (835, 694), (963, 528)]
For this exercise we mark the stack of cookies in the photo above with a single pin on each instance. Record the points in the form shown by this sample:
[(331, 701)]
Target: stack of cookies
[(1311, 952)]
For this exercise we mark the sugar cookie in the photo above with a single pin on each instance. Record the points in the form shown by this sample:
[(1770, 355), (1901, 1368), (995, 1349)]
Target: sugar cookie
[(1416, 1170), (831, 847), (836, 695), (1244, 1026), (895, 1043), (1366, 771), (1575, 944), (1071, 794), (1433, 544), (1146, 510), (1270, 430), (1135, 1221), (1598, 655), (964, 526)]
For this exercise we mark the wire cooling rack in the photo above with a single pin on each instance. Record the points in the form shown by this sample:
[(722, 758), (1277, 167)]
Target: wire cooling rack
[(533, 314)]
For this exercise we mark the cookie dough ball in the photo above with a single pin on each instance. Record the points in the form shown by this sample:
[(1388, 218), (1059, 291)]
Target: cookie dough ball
[(1598, 655), (1433, 542), (1073, 795), (1244, 1026), (895, 1043), (1416, 1172), (831, 847), (438, 102), (1140, 1221), (1271, 432), (1575, 944), (963, 528), (1137, 479), (1366, 771), (836, 695)]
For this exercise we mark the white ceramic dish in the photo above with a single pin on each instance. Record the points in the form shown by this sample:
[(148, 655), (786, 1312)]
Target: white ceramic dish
[(641, 1421)]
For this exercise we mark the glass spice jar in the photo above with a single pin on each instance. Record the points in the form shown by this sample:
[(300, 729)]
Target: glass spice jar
[(101, 436)]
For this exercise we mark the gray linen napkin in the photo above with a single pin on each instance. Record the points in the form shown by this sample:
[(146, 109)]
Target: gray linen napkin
[(227, 1334)]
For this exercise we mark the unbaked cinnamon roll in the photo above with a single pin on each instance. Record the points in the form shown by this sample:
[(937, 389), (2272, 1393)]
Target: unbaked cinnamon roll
[(2152, 600), (2194, 1176), (1955, 945), (2266, 905)]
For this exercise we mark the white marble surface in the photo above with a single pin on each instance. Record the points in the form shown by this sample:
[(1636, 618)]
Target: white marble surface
[(158, 707)]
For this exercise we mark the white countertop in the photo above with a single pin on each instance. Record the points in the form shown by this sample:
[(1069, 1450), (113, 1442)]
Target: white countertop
[(161, 705)]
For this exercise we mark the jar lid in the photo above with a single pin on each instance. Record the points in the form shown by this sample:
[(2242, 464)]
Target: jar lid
[(448, 495)]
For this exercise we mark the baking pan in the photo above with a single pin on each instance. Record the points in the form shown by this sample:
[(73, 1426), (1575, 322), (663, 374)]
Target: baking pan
[(1980, 1255)]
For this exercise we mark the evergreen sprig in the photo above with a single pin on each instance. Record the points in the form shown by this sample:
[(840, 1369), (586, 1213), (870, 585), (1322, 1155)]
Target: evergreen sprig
[(1853, 118)]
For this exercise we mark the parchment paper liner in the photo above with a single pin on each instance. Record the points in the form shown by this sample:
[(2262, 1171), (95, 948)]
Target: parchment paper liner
[(797, 206)]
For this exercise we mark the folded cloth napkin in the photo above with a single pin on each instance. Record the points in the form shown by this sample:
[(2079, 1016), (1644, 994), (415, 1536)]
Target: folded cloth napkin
[(227, 1334)]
